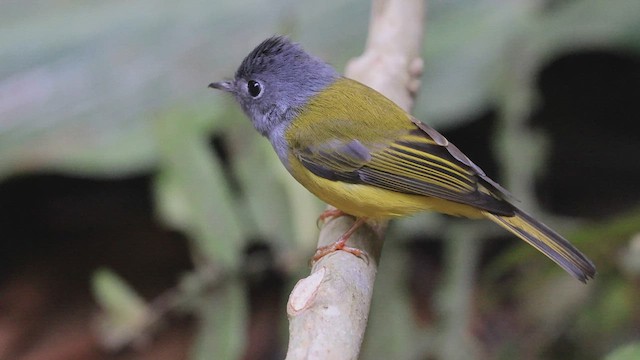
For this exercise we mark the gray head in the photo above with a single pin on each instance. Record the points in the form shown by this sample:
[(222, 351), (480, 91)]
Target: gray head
[(275, 80)]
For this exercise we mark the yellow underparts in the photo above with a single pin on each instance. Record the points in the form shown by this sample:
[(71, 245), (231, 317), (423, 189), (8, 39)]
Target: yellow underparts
[(373, 202)]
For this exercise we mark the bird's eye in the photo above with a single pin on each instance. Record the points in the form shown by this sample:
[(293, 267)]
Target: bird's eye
[(254, 88)]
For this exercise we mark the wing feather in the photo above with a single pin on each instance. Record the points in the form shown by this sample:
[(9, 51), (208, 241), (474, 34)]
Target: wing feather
[(416, 161)]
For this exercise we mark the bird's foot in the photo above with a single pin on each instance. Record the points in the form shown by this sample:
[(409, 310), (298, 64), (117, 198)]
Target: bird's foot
[(342, 241)]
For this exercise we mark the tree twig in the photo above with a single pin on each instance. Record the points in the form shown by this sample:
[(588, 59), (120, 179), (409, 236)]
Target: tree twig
[(328, 310)]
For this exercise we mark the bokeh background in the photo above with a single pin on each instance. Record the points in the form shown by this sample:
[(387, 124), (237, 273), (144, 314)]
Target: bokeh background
[(141, 217)]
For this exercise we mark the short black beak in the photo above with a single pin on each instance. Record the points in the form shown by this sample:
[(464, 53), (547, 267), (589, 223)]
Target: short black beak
[(221, 85)]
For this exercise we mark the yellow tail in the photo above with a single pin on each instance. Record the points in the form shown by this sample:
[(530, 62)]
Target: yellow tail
[(548, 242)]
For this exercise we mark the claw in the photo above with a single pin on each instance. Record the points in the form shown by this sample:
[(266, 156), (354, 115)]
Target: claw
[(341, 243), (326, 250)]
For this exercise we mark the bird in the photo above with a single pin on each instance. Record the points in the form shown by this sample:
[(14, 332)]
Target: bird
[(358, 151)]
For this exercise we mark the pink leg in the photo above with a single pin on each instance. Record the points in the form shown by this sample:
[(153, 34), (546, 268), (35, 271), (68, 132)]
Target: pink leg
[(333, 213), (340, 244)]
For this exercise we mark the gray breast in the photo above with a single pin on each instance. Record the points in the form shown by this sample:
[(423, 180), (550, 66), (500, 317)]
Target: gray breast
[(277, 139)]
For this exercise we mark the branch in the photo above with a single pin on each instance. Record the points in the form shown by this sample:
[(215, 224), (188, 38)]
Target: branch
[(328, 310)]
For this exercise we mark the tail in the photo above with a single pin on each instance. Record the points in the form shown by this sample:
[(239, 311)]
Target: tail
[(548, 242)]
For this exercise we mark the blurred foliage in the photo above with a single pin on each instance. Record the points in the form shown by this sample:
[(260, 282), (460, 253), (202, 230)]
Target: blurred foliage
[(627, 352), (125, 313), (98, 88)]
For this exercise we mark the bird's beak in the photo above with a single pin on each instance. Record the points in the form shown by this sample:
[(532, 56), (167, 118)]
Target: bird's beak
[(222, 85)]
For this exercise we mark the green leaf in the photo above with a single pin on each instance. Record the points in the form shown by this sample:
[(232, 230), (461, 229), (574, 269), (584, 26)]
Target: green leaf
[(192, 192), (392, 332), (223, 324), (124, 313), (586, 24), (626, 352), (465, 43)]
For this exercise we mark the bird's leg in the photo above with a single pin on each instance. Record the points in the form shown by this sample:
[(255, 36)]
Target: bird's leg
[(340, 244), (331, 213)]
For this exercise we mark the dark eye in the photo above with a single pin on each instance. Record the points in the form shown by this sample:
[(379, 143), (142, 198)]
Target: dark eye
[(254, 88)]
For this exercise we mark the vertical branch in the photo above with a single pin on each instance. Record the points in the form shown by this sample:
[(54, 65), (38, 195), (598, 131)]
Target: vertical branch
[(328, 310), (463, 245), (520, 149), (391, 62)]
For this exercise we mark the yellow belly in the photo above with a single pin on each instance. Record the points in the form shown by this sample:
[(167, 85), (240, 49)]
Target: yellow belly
[(374, 202)]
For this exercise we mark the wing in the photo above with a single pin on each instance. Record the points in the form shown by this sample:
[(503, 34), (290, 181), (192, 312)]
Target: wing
[(418, 160)]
